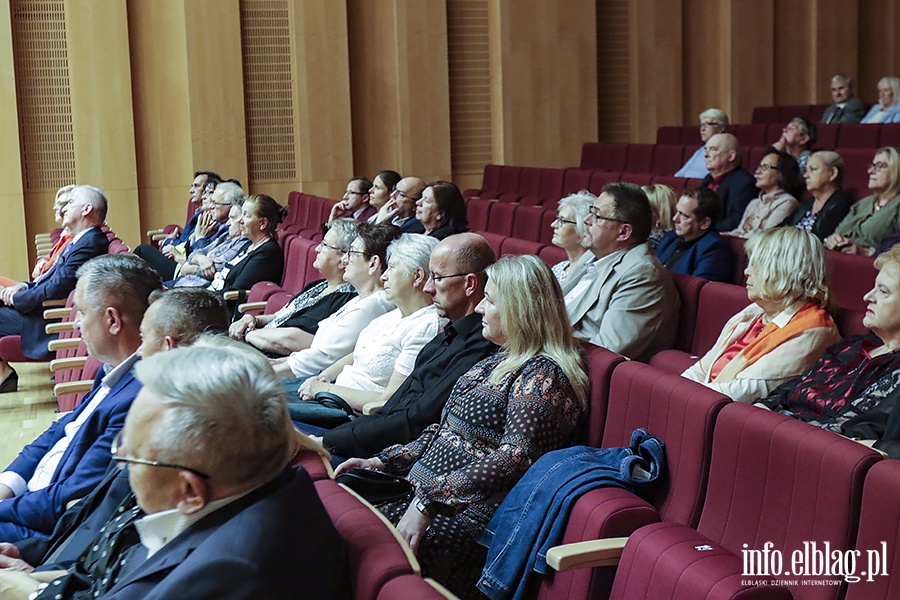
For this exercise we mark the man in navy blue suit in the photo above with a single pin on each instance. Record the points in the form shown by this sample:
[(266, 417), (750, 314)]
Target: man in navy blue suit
[(695, 247), (68, 460), (21, 310), (728, 179)]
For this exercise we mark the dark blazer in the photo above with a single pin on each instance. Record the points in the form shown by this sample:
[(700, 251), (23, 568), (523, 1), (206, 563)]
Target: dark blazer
[(737, 189), (185, 234), (81, 467), (202, 242), (444, 231), (834, 211), (418, 402), (276, 542), (266, 263), (55, 284), (853, 112), (710, 257), (412, 225)]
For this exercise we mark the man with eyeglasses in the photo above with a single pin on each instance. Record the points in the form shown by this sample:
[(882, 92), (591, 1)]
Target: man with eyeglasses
[(624, 300), (712, 121), (400, 210), (355, 203), (731, 182)]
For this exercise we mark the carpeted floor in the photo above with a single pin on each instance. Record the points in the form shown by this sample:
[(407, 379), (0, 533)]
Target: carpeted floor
[(25, 414)]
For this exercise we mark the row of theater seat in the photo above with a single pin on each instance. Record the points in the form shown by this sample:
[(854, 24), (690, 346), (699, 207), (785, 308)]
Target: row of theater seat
[(784, 113), (835, 136)]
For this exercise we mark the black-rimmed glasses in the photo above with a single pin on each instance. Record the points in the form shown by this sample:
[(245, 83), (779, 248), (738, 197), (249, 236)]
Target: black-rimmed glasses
[(595, 212), (350, 252), (117, 443), (560, 221), (324, 244), (439, 278)]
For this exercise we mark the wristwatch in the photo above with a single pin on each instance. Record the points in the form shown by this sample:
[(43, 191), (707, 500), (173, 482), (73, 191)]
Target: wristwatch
[(423, 508)]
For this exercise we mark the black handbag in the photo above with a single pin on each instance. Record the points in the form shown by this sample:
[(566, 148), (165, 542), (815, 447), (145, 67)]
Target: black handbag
[(377, 487), (330, 400)]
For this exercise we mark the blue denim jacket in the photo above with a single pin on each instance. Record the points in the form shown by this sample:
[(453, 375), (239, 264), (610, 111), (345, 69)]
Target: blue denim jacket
[(532, 517)]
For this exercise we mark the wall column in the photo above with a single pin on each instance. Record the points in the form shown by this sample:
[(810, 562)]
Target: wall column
[(14, 258)]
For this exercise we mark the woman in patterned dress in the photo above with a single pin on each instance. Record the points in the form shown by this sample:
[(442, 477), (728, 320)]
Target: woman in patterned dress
[(501, 416)]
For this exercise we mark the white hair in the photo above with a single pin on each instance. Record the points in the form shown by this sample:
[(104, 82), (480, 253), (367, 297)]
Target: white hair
[(580, 204), (412, 251)]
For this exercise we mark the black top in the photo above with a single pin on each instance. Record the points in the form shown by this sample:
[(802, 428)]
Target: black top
[(836, 208), (736, 189), (308, 318), (266, 263), (418, 402)]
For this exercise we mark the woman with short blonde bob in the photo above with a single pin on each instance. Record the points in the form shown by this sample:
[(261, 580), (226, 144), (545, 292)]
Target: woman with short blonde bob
[(571, 234), (663, 200), (786, 327), (502, 415), (829, 203)]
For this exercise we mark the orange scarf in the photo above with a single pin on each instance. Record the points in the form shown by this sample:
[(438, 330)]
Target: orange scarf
[(811, 316)]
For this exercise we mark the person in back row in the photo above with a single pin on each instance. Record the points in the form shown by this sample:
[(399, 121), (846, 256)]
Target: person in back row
[(728, 179), (695, 247), (847, 108), (712, 122)]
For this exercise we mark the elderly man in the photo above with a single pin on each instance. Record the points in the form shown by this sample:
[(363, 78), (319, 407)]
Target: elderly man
[(712, 121), (66, 461), (220, 514), (175, 319), (21, 310), (797, 139), (457, 285), (624, 300), (355, 204), (695, 247), (847, 108), (400, 210), (731, 182), (181, 235)]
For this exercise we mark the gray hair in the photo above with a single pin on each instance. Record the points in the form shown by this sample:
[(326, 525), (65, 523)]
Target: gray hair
[(843, 79), (412, 251), (123, 281), (184, 313), (232, 193), (346, 231), (227, 419), (714, 115), (580, 204), (93, 196), (894, 84)]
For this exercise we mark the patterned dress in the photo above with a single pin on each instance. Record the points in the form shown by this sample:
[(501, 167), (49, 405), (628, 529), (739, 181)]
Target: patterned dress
[(462, 467)]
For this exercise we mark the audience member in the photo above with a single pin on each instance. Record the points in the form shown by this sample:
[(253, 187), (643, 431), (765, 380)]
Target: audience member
[(874, 218), (218, 509), (695, 247), (202, 265), (383, 187), (662, 200), (847, 108), (785, 328), (503, 414), (364, 262), (779, 181), (387, 347), (67, 460), (856, 374), (570, 233), (442, 210), (292, 328), (180, 235), (212, 224), (456, 283), (728, 179), (887, 109), (355, 204), (400, 210), (829, 203), (21, 304), (624, 300), (797, 139), (712, 121)]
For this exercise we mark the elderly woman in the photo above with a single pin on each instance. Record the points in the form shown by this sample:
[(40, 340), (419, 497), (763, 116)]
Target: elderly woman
[(386, 349), (854, 375), (887, 109), (502, 415), (780, 184), (874, 218), (786, 327), (663, 200), (829, 203), (202, 265), (293, 328), (570, 233), (712, 121), (442, 210), (380, 192), (364, 262)]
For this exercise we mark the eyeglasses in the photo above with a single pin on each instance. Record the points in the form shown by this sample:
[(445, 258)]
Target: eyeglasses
[(350, 252), (324, 244), (439, 278), (764, 167), (708, 124), (221, 203), (117, 443), (595, 212), (407, 196), (560, 221), (878, 166)]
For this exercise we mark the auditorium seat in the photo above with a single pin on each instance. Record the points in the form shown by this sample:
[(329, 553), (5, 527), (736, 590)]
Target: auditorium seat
[(827, 136), (500, 218), (600, 179), (890, 135), (413, 587), (314, 464), (771, 479), (639, 158), (774, 130), (513, 245), (856, 165), (552, 255), (765, 114), (529, 184), (689, 293), (527, 222), (591, 155), (858, 135), (545, 233), (613, 157), (667, 159), (550, 187), (737, 245), (750, 134), (852, 276), (494, 239), (489, 182), (575, 180), (792, 111), (817, 111), (637, 178), (676, 183), (477, 210), (600, 365), (668, 134)]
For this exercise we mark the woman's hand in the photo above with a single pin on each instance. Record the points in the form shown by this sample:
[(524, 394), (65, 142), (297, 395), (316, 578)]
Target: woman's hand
[(371, 464), (206, 266), (836, 241), (413, 525), (851, 248), (312, 386), (238, 330)]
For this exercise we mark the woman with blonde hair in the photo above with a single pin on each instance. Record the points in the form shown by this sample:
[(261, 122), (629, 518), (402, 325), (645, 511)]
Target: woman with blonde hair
[(786, 327), (829, 203), (874, 218), (571, 234), (502, 415), (663, 200), (887, 109)]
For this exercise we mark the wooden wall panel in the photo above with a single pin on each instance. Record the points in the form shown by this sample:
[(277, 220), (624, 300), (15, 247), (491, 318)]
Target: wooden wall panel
[(879, 45), (613, 71), (13, 258), (836, 48)]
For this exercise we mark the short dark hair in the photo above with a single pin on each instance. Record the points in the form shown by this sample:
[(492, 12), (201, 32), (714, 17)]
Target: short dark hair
[(389, 178), (450, 201), (376, 238), (366, 184), (791, 179), (809, 128), (632, 207), (474, 257), (209, 175), (120, 280), (185, 313), (708, 206)]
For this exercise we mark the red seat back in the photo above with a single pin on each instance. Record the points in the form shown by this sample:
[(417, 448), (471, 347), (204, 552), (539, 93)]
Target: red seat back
[(639, 158), (857, 135), (667, 159), (852, 276), (718, 303), (828, 135), (689, 293), (600, 364), (516, 246)]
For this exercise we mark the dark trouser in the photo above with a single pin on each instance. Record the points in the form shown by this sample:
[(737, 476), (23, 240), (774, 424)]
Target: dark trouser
[(162, 264)]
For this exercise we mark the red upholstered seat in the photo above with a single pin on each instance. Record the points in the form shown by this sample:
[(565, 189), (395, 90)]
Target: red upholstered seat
[(552, 255), (771, 479), (550, 188), (751, 134), (773, 130), (668, 134), (494, 239), (575, 180), (500, 218), (314, 464), (667, 159), (792, 111), (856, 165), (639, 158), (765, 114), (489, 181), (545, 233), (890, 135), (740, 258), (817, 111), (613, 157), (276, 302), (676, 183), (828, 136), (600, 179), (689, 293), (601, 363), (477, 210), (412, 587), (637, 178), (592, 155), (296, 265), (513, 245), (852, 275), (857, 135), (527, 222)]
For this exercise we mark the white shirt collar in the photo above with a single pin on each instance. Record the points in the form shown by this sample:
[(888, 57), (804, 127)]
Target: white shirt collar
[(785, 316)]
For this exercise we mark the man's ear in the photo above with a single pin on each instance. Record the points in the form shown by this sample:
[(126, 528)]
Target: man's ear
[(193, 494), (114, 319), (169, 342), (625, 231), (705, 224)]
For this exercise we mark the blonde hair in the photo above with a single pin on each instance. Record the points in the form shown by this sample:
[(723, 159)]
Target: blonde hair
[(889, 258), (663, 200), (533, 317), (892, 158), (789, 266), (894, 84)]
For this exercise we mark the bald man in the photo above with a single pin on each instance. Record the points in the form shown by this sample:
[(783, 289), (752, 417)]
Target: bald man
[(400, 210), (728, 179)]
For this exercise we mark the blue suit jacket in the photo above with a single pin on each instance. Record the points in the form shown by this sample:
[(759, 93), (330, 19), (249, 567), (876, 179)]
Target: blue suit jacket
[(56, 284), (737, 189), (710, 257), (185, 234), (275, 542), (82, 465)]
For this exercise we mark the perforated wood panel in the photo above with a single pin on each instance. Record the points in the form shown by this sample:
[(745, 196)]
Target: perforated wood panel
[(42, 92), (613, 109), (268, 95), (470, 85)]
